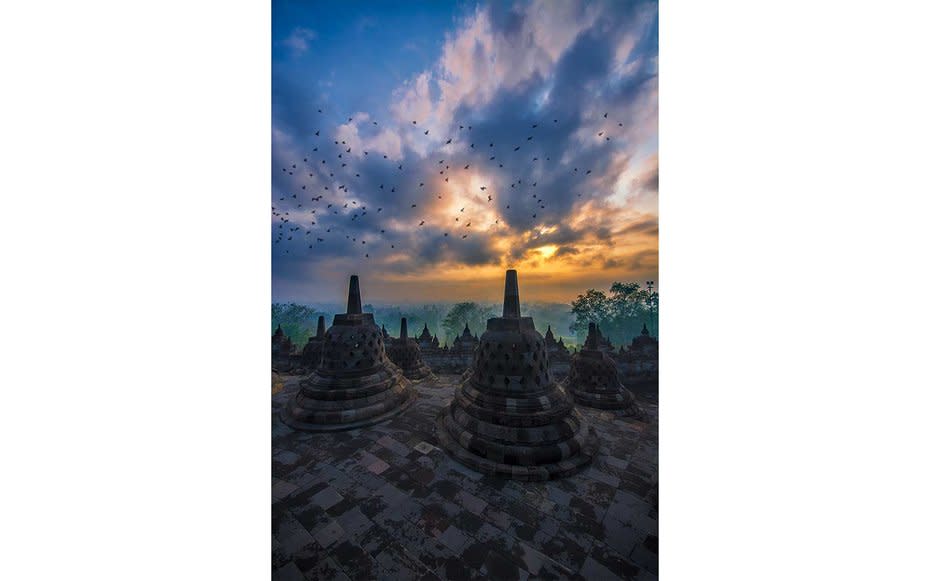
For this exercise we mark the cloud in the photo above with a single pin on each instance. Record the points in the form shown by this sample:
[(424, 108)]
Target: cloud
[(298, 40), (501, 71)]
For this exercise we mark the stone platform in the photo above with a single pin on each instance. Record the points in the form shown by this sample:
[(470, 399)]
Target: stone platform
[(385, 502)]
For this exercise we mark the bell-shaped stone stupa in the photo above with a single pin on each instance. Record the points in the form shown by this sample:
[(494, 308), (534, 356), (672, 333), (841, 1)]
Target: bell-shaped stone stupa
[(595, 379), (312, 354), (509, 418), (355, 384), (405, 354)]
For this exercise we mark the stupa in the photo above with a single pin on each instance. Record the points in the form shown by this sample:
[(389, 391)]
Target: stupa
[(595, 379), (425, 339), (509, 418), (603, 343), (281, 344), (466, 343), (355, 384), (282, 350), (312, 354), (645, 344), (556, 349), (405, 354)]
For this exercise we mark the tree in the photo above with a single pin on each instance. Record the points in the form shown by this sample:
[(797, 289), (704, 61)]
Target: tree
[(591, 307), (621, 315), (473, 314), (297, 321)]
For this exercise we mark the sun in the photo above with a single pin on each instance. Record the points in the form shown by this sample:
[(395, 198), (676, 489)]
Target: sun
[(547, 251)]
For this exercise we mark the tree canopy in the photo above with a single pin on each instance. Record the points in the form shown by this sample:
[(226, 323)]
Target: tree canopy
[(621, 312), (475, 315), (297, 321)]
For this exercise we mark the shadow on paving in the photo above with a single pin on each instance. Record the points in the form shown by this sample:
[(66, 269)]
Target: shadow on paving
[(385, 502)]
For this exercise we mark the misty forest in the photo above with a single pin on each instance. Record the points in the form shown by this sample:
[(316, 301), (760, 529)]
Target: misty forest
[(621, 311)]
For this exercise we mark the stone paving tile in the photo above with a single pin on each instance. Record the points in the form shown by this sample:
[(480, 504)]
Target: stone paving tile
[(592, 569), (424, 447), (538, 564), (470, 502), (354, 522), (385, 503), (394, 563), (498, 566), (647, 554), (328, 533), (328, 570), (292, 535), (281, 489), (289, 572), (619, 565), (355, 562), (326, 498)]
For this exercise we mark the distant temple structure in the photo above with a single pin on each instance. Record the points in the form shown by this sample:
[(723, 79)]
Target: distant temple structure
[(312, 353), (640, 363), (555, 349), (603, 343), (281, 349), (425, 340), (509, 417), (595, 379), (405, 353), (466, 343), (355, 384), (446, 359)]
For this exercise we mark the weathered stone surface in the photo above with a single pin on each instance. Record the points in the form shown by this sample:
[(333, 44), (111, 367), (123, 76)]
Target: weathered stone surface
[(594, 379), (640, 362), (595, 524), (509, 417), (404, 352), (282, 350), (355, 384), (312, 353)]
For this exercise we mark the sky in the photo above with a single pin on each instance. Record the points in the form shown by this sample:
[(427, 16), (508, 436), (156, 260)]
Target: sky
[(570, 198)]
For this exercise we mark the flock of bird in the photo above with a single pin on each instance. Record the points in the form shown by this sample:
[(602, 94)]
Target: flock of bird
[(329, 164)]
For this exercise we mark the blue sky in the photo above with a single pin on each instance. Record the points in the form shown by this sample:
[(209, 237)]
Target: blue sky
[(573, 200)]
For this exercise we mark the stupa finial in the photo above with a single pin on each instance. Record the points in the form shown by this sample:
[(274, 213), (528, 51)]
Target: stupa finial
[(403, 328), (320, 327), (645, 331), (354, 305), (511, 296), (591, 341)]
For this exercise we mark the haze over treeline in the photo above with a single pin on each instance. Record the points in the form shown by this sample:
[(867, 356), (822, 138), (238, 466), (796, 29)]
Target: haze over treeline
[(621, 311)]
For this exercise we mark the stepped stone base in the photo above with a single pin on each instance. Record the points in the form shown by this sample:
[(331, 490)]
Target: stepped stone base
[(326, 404), (543, 464)]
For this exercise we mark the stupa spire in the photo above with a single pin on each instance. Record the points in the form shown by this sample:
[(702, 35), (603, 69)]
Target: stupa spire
[(403, 328), (511, 296), (591, 341), (320, 327), (354, 305)]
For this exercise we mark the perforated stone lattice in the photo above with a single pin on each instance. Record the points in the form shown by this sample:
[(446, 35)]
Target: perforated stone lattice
[(355, 384), (594, 380), (508, 417), (406, 354), (355, 348), (511, 365)]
